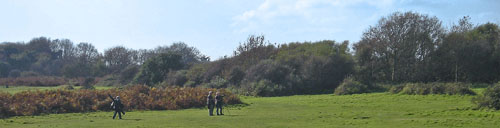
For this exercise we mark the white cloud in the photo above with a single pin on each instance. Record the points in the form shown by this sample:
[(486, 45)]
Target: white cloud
[(312, 10), (271, 8), (304, 18)]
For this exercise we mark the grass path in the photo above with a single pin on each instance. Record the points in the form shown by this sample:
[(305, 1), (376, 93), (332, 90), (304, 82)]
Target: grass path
[(363, 110)]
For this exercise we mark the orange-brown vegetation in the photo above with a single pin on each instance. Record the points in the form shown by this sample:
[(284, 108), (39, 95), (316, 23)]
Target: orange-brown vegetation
[(137, 97)]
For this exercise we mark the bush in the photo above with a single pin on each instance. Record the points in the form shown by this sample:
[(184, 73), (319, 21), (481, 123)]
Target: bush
[(415, 89), (490, 98), (137, 97), (176, 78), (458, 89), (396, 89), (88, 83), (67, 87), (432, 88), (350, 86), (263, 88), (155, 69), (217, 82)]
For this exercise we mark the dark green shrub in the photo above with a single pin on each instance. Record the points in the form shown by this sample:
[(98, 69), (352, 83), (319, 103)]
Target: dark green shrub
[(176, 78), (155, 69), (217, 82), (236, 75), (350, 86), (490, 98), (396, 89), (415, 88), (127, 75), (88, 83), (458, 89), (266, 88)]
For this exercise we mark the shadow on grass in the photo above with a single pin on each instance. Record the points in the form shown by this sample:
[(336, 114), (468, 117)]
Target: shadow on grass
[(230, 115), (133, 119)]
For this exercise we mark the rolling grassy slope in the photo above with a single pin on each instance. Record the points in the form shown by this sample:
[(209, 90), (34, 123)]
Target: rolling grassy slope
[(363, 110)]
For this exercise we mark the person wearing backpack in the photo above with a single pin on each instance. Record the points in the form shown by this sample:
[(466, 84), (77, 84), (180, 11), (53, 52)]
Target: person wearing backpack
[(117, 106)]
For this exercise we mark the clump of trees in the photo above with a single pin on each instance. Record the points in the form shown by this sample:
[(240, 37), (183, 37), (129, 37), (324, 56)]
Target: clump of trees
[(259, 68), (263, 69), (22, 63), (413, 47)]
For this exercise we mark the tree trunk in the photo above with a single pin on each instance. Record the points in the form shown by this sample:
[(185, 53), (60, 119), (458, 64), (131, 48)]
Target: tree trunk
[(393, 70), (456, 72)]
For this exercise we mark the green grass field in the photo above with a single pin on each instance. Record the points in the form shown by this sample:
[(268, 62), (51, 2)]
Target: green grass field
[(16, 89), (363, 110)]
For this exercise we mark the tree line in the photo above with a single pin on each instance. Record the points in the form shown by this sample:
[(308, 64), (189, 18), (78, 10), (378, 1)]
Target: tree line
[(402, 47), (413, 47)]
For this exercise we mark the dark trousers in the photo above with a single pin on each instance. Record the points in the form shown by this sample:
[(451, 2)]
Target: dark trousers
[(219, 107), (119, 114), (210, 110)]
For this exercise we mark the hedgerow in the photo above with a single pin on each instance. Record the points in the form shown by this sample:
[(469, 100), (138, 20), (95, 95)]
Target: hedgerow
[(433, 88)]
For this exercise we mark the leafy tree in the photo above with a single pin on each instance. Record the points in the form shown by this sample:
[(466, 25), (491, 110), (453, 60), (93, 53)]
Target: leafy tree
[(189, 55), (401, 46), (117, 58), (155, 70), (4, 69)]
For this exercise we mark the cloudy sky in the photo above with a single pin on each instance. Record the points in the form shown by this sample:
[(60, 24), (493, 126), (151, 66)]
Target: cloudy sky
[(216, 27)]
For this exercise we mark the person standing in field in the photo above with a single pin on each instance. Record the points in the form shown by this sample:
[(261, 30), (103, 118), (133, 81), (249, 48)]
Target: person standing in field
[(218, 103), (117, 106), (210, 104)]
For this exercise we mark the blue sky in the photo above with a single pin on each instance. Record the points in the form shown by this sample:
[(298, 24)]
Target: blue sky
[(216, 27)]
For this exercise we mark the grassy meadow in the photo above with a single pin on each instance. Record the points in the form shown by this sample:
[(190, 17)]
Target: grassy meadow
[(359, 110)]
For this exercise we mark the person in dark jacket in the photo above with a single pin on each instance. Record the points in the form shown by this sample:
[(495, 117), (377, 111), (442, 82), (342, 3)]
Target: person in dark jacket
[(210, 104), (117, 106), (219, 102)]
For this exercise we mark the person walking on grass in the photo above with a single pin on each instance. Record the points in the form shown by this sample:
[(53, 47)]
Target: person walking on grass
[(210, 104), (219, 102), (117, 106)]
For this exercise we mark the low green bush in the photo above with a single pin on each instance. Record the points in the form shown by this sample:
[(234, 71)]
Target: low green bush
[(458, 89), (490, 98), (350, 86), (396, 89), (432, 88), (68, 87)]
